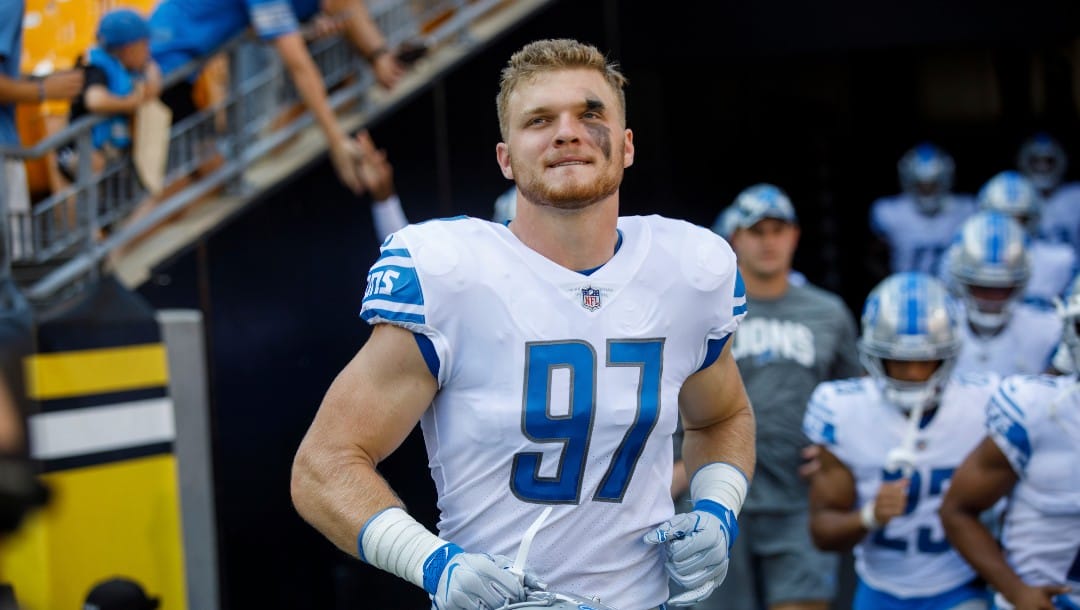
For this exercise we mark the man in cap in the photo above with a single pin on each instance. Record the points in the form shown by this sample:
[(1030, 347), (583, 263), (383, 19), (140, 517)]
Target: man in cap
[(795, 336)]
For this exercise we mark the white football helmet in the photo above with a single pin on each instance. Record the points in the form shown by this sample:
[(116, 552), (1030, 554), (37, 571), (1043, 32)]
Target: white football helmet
[(1043, 161), (551, 600), (989, 266), (1011, 193), (909, 316), (1068, 309), (926, 174)]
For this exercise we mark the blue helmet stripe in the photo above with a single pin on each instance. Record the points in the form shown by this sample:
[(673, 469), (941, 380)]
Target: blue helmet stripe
[(911, 306), (996, 239)]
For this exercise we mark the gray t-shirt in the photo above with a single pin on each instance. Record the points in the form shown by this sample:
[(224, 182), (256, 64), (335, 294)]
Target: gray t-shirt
[(784, 348)]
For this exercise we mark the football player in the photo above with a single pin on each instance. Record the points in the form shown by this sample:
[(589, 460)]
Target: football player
[(1043, 161), (547, 361), (1031, 455), (1053, 265), (918, 225), (889, 444), (989, 267)]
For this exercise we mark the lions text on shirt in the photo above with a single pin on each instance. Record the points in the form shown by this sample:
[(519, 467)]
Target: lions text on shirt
[(1025, 345), (910, 556), (557, 387), (1035, 421), (917, 241)]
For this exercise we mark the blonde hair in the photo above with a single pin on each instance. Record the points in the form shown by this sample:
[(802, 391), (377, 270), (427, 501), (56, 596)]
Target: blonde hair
[(550, 55)]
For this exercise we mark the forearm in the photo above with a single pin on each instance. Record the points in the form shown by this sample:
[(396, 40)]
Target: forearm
[(309, 84), (362, 31), (107, 103), (837, 530), (730, 440), (977, 545), (338, 493), (18, 91)]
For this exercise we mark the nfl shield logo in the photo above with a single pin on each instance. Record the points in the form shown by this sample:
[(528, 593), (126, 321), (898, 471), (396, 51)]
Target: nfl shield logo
[(590, 298)]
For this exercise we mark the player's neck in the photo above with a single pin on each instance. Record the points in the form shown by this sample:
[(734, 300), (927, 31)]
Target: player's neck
[(985, 333), (581, 239), (765, 287)]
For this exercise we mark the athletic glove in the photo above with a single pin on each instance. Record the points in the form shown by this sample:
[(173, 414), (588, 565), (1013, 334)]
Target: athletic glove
[(474, 581), (697, 545)]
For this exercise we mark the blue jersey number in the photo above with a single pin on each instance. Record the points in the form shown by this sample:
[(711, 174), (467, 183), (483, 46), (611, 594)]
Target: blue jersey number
[(574, 428), (928, 258), (924, 540)]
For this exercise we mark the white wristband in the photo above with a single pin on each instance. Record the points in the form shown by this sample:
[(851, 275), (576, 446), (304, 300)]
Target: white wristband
[(393, 541), (867, 518), (388, 216), (722, 483)]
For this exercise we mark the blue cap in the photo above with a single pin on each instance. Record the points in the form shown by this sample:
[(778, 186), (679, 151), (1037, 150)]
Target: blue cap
[(757, 203), (121, 27)]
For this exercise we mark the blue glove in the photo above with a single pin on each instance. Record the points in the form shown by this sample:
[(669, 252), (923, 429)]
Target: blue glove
[(474, 581), (697, 545)]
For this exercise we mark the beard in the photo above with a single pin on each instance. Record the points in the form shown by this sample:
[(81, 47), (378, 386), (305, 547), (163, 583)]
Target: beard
[(569, 195)]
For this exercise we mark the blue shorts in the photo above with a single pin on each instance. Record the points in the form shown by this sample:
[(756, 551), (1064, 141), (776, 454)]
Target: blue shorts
[(872, 599)]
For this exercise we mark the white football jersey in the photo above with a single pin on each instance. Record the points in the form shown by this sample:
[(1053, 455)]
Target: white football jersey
[(910, 556), (1035, 421), (1060, 218), (559, 388), (1053, 267), (916, 241), (1025, 345)]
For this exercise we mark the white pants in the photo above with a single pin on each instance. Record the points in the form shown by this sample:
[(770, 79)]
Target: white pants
[(17, 197)]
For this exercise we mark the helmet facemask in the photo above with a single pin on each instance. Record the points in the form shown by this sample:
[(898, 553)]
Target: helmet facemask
[(1043, 161), (926, 175), (909, 317)]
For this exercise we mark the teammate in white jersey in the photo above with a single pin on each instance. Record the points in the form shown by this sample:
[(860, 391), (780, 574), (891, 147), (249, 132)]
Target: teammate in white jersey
[(918, 225), (547, 361), (1053, 265), (890, 443), (1031, 454), (989, 267), (1043, 161)]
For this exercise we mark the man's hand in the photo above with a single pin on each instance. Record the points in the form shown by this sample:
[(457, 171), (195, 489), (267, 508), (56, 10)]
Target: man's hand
[(345, 155), (891, 500), (697, 545), (1038, 598), (376, 173), (64, 85), (477, 581), (388, 70), (811, 461)]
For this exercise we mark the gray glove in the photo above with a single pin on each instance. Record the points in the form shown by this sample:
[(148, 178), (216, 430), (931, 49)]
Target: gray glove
[(478, 581), (697, 546)]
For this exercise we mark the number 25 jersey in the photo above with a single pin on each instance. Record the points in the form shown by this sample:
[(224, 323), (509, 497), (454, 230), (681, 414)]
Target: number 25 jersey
[(558, 387)]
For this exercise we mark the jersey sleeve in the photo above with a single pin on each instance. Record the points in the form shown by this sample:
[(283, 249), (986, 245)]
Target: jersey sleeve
[(819, 422), (1008, 423), (272, 18), (394, 294), (730, 295), (10, 27)]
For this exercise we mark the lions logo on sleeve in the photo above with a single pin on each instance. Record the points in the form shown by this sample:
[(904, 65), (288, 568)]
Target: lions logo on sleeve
[(393, 292)]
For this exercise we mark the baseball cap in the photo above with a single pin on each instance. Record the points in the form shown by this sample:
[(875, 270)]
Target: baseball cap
[(120, 27), (757, 203), (119, 594)]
